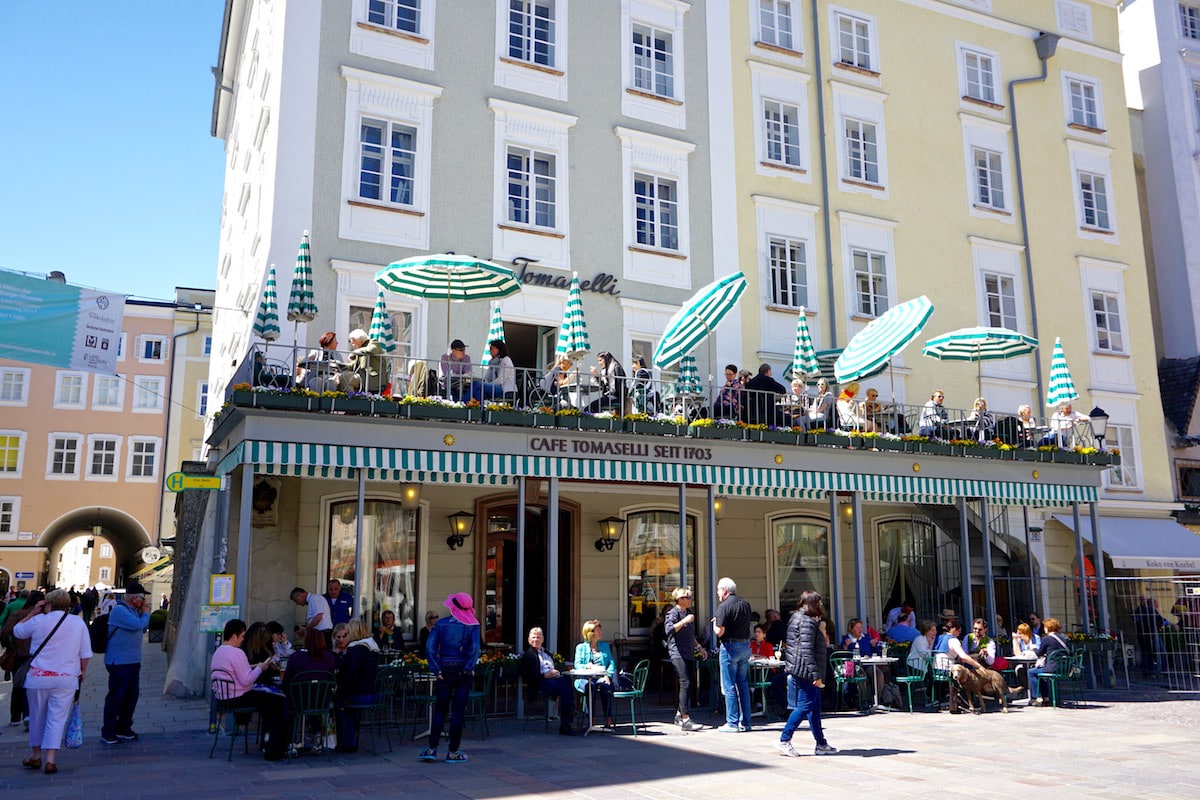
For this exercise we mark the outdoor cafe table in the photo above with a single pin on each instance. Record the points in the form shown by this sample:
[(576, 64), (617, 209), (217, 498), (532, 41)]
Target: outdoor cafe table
[(878, 662), (591, 675), (762, 663)]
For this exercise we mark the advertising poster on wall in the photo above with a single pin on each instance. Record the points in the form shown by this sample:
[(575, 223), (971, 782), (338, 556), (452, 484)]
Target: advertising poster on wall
[(59, 325)]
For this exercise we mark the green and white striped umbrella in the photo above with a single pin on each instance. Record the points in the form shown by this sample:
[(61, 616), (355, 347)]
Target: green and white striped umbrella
[(979, 344), (872, 348), (302, 304), (804, 359), (381, 325), (572, 331), (698, 318), (266, 321), (447, 276), (689, 375), (1062, 388), (495, 331)]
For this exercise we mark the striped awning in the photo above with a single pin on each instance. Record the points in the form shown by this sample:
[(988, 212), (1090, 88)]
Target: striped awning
[(494, 469)]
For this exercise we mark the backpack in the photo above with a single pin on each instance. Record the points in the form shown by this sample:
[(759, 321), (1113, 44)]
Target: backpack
[(98, 633)]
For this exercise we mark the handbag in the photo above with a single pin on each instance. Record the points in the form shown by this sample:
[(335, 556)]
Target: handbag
[(74, 736), (8, 660), (18, 680), (999, 663)]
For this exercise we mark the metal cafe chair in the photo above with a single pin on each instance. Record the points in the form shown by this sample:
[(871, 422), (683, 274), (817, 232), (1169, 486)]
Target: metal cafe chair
[(223, 688), (310, 695)]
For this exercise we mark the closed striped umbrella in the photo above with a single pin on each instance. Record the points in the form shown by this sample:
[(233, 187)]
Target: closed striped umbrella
[(381, 325), (688, 380), (698, 318), (572, 332), (979, 344), (1062, 388), (873, 347), (495, 331), (804, 359), (302, 304), (266, 321), (447, 276)]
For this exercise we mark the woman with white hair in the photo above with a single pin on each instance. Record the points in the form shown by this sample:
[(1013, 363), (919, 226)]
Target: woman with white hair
[(61, 648)]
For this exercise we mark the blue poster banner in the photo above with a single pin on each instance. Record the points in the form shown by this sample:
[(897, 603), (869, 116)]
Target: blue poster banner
[(59, 325)]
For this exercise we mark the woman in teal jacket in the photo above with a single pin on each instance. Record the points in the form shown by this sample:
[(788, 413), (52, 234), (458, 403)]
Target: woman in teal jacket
[(592, 652)]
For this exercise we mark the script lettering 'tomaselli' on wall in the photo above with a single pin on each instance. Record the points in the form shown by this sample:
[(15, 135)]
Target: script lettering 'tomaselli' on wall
[(649, 451)]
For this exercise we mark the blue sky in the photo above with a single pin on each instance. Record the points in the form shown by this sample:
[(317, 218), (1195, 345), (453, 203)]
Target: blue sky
[(107, 169)]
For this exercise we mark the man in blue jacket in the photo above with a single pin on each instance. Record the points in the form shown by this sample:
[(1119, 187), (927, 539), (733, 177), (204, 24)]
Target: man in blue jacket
[(128, 620)]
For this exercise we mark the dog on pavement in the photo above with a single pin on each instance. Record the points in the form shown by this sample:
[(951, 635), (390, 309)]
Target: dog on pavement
[(977, 683)]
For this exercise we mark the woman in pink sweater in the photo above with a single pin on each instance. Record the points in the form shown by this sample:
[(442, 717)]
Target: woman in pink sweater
[(229, 663)]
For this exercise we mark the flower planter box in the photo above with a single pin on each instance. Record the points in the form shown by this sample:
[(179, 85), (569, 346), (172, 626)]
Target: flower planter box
[(285, 402), (346, 405), (241, 397), (522, 419), (826, 439), (713, 432), (586, 423), (1026, 455), (1067, 457), (385, 408), (652, 427), (776, 437), (438, 412), (541, 420), (890, 445), (935, 448), (983, 452)]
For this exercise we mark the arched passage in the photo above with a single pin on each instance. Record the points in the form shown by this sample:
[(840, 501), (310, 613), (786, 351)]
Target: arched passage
[(123, 532)]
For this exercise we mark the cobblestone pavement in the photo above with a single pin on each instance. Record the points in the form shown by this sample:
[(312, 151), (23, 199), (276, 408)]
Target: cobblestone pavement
[(1121, 744)]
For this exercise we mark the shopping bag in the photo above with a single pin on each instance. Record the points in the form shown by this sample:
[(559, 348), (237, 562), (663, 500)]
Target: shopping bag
[(74, 737)]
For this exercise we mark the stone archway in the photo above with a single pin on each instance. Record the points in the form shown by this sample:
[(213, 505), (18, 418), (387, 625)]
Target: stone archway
[(126, 535)]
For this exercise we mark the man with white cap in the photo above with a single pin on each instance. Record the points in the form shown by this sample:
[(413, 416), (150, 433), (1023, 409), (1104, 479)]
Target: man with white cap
[(127, 621), (452, 650)]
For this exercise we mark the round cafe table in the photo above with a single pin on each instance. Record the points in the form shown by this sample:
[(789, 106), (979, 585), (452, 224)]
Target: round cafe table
[(591, 675), (878, 662)]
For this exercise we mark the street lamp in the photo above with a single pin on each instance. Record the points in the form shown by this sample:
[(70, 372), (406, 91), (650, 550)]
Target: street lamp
[(462, 525), (610, 533), (1099, 422)]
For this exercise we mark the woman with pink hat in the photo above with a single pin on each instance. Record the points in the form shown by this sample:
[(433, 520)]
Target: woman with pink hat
[(452, 650)]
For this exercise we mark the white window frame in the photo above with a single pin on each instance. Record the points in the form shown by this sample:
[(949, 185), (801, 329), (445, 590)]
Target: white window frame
[(862, 61), (667, 159), (202, 399), (661, 198), (665, 16), (104, 574), (781, 128), (133, 456), (1000, 318), (148, 339), (80, 381), (1189, 21), (534, 129), (877, 292), (774, 84), (52, 440), (767, 17), (155, 387), (527, 75), (871, 235), (1078, 126), (89, 472), (207, 348), (1074, 19), (777, 218), (987, 94), (13, 376), (864, 106), (791, 271), (10, 520), (1003, 260), (106, 550), (991, 192), (860, 139), (389, 43), (981, 134), (357, 287), (400, 102), (1087, 158), (1102, 334), (1128, 475), (531, 196), (97, 387), (389, 156), (21, 437), (1094, 200)]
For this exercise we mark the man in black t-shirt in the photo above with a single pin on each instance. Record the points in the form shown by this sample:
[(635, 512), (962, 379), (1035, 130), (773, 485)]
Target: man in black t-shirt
[(732, 627)]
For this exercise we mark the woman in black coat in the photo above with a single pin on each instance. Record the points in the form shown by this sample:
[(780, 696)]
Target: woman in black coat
[(805, 655), (356, 683)]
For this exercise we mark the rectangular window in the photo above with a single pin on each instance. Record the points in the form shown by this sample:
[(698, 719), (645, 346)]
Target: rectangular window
[(870, 278), (108, 392), (1106, 311), (862, 151), (153, 348), (389, 542), (775, 23), (202, 399), (8, 515), (531, 31), (1189, 482), (142, 458), (1001, 297), (208, 345), (147, 393), (10, 453), (989, 178), (656, 211), (387, 159), (653, 61), (1083, 103), (1127, 475), (653, 552), (789, 272), (854, 41), (1196, 101), (1094, 195), (64, 455), (70, 389), (781, 125), (12, 385), (531, 187), (104, 458), (401, 15), (402, 327), (106, 550), (1189, 20), (980, 74), (104, 574)]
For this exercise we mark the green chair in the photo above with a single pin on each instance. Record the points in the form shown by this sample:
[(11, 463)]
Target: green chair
[(480, 694), (1066, 670), (847, 675), (939, 669), (712, 668), (375, 712), (918, 674), (635, 695), (417, 698), (760, 679), (223, 688), (310, 696)]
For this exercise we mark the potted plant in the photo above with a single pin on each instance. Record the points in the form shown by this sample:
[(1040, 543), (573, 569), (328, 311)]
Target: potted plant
[(434, 408), (793, 436), (660, 425), (505, 414), (828, 438), (708, 428)]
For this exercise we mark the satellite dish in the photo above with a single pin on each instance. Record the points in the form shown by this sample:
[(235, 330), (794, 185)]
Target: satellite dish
[(151, 555)]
